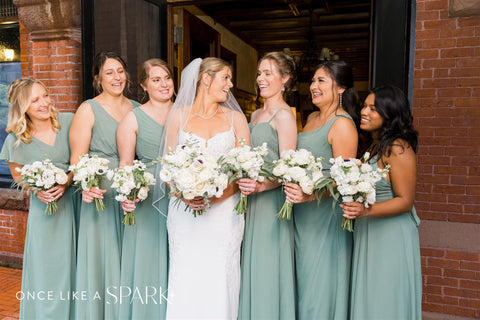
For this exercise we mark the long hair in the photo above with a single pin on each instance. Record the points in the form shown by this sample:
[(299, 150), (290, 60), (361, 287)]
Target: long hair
[(98, 63), (211, 66), (20, 99), (144, 71), (341, 74), (393, 106)]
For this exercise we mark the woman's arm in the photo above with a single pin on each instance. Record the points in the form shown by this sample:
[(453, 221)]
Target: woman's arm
[(127, 139), (80, 137), (81, 132), (402, 174)]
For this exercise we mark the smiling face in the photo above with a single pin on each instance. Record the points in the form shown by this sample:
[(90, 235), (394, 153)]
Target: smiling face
[(324, 89), (269, 80), (221, 84), (159, 84), (40, 104), (113, 77), (371, 120)]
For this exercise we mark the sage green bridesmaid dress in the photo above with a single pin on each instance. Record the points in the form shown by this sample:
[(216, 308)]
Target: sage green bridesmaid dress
[(145, 246), (268, 268), (386, 269), (323, 250), (48, 273), (100, 233)]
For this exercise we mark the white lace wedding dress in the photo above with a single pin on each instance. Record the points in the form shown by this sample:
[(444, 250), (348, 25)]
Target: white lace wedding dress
[(204, 272)]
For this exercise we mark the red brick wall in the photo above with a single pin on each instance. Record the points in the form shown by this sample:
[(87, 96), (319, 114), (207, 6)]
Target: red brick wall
[(446, 108), (13, 225)]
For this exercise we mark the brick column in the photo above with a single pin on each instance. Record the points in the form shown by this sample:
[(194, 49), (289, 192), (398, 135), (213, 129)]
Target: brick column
[(51, 47)]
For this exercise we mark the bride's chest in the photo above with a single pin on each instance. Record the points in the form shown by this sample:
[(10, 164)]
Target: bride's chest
[(217, 145)]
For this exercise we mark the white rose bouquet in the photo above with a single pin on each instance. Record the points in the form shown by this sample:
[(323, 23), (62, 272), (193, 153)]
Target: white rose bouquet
[(243, 162), (131, 182), (42, 175), (299, 167), (191, 172), (89, 171), (355, 181)]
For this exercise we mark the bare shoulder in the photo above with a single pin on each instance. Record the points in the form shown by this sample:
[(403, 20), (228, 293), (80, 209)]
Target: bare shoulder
[(84, 114), (285, 114), (401, 149)]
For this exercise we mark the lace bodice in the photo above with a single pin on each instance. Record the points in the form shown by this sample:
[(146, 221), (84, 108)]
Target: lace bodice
[(217, 145)]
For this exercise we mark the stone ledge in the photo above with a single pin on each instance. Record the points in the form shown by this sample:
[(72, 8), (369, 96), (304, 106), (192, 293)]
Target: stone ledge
[(464, 8), (456, 236), (11, 199), (11, 260)]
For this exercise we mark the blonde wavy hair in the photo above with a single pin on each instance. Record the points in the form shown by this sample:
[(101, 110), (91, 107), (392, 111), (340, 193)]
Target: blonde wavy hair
[(20, 98)]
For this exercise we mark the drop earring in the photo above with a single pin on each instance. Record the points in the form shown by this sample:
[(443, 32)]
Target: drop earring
[(340, 100)]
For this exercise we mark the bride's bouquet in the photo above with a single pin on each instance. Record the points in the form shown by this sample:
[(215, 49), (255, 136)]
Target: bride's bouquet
[(243, 162), (299, 167), (89, 172), (355, 181), (192, 172), (131, 182), (42, 175)]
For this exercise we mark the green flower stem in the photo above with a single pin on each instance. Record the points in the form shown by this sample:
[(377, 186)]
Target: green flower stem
[(129, 219), (347, 224), (286, 211), (51, 208), (241, 206), (99, 204)]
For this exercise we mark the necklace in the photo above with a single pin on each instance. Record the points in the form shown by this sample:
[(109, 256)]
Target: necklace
[(206, 118)]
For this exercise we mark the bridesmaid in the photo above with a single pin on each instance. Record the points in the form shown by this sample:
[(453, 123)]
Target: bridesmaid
[(268, 267), (322, 248), (145, 246), (386, 272), (93, 131), (37, 132)]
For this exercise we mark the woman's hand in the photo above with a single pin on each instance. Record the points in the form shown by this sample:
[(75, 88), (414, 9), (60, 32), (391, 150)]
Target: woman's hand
[(353, 210), (197, 203), (90, 195), (51, 194), (295, 194), (248, 186), (129, 205)]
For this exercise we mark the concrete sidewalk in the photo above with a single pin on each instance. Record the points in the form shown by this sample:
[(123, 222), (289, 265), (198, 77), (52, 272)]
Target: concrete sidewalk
[(10, 284)]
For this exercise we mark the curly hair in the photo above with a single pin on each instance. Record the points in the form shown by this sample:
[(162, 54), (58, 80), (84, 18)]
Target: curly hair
[(20, 98), (393, 106)]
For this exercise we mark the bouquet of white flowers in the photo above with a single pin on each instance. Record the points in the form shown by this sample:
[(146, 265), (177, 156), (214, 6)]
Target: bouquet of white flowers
[(355, 181), (191, 172), (131, 182), (299, 167), (89, 171), (243, 162), (42, 175)]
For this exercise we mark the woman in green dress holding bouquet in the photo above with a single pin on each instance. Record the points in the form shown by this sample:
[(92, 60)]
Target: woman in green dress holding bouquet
[(386, 271), (145, 244), (322, 248), (268, 267), (93, 131), (39, 132)]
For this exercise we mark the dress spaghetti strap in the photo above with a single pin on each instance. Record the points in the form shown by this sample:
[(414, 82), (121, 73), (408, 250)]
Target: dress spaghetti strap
[(276, 113)]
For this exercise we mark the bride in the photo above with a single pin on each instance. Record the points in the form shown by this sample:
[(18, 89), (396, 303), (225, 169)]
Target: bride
[(204, 275)]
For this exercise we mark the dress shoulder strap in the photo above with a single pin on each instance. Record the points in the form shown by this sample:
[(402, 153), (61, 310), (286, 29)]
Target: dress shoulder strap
[(286, 108)]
